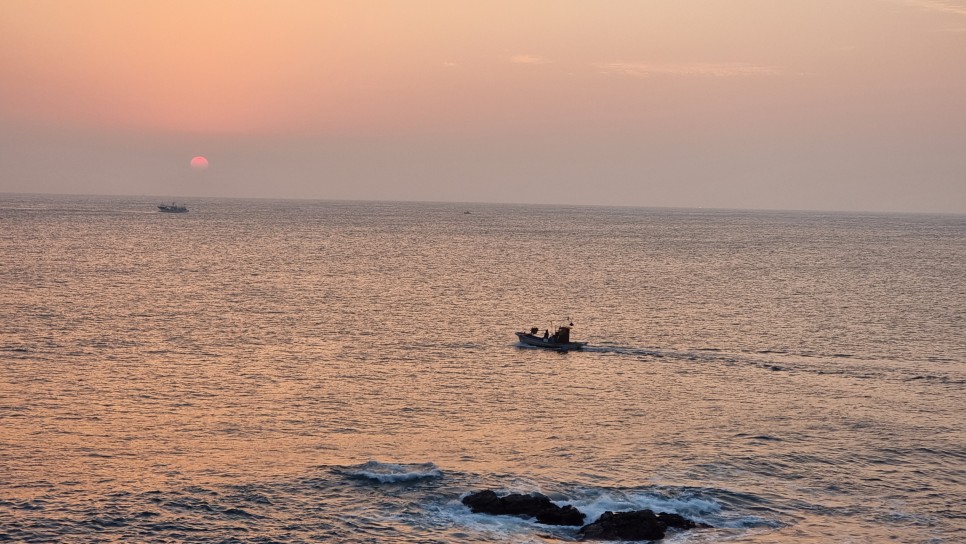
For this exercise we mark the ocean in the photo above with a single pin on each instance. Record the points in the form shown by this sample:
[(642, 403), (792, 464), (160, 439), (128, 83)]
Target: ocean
[(311, 371)]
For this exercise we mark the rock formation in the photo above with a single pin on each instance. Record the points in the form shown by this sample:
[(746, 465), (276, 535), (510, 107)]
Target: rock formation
[(636, 525), (535, 506)]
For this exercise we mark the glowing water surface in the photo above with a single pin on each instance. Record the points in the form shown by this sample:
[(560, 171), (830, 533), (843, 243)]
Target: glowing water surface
[(260, 371)]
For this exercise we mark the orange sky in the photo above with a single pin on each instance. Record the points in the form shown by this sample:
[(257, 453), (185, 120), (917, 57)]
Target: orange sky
[(734, 103)]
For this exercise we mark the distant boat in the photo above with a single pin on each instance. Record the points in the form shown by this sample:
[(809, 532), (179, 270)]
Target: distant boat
[(559, 340), (172, 208)]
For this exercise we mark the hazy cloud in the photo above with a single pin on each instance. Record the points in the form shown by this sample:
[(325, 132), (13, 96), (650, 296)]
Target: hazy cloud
[(731, 69), (956, 8), (528, 59)]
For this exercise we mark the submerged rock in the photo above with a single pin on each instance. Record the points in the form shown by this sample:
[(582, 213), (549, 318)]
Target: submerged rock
[(535, 506), (636, 525)]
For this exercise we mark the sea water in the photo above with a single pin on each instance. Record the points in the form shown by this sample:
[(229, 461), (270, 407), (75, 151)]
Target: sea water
[(301, 371)]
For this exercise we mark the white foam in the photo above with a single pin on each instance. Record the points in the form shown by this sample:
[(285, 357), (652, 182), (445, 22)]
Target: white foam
[(700, 509), (501, 528), (690, 507)]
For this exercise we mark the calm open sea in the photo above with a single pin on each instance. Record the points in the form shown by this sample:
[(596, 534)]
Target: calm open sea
[(298, 371)]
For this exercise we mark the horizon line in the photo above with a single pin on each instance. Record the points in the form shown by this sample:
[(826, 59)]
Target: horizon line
[(491, 203)]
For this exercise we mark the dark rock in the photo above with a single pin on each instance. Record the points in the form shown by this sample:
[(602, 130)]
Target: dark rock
[(637, 525), (535, 506), (566, 515), (484, 502)]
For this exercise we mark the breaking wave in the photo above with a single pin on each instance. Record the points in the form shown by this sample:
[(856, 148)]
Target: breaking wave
[(388, 473)]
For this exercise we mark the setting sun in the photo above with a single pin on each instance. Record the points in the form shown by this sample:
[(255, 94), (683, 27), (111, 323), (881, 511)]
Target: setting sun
[(199, 163)]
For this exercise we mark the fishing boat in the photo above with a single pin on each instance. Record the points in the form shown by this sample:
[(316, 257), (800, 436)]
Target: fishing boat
[(559, 340), (172, 208)]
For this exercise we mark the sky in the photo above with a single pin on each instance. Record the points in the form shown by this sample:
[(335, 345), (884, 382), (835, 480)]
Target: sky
[(855, 105)]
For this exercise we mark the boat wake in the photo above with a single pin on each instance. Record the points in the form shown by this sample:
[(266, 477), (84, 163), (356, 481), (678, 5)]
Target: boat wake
[(826, 364), (624, 350)]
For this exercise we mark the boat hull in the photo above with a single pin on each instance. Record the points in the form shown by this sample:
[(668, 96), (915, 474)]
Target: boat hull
[(548, 343)]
